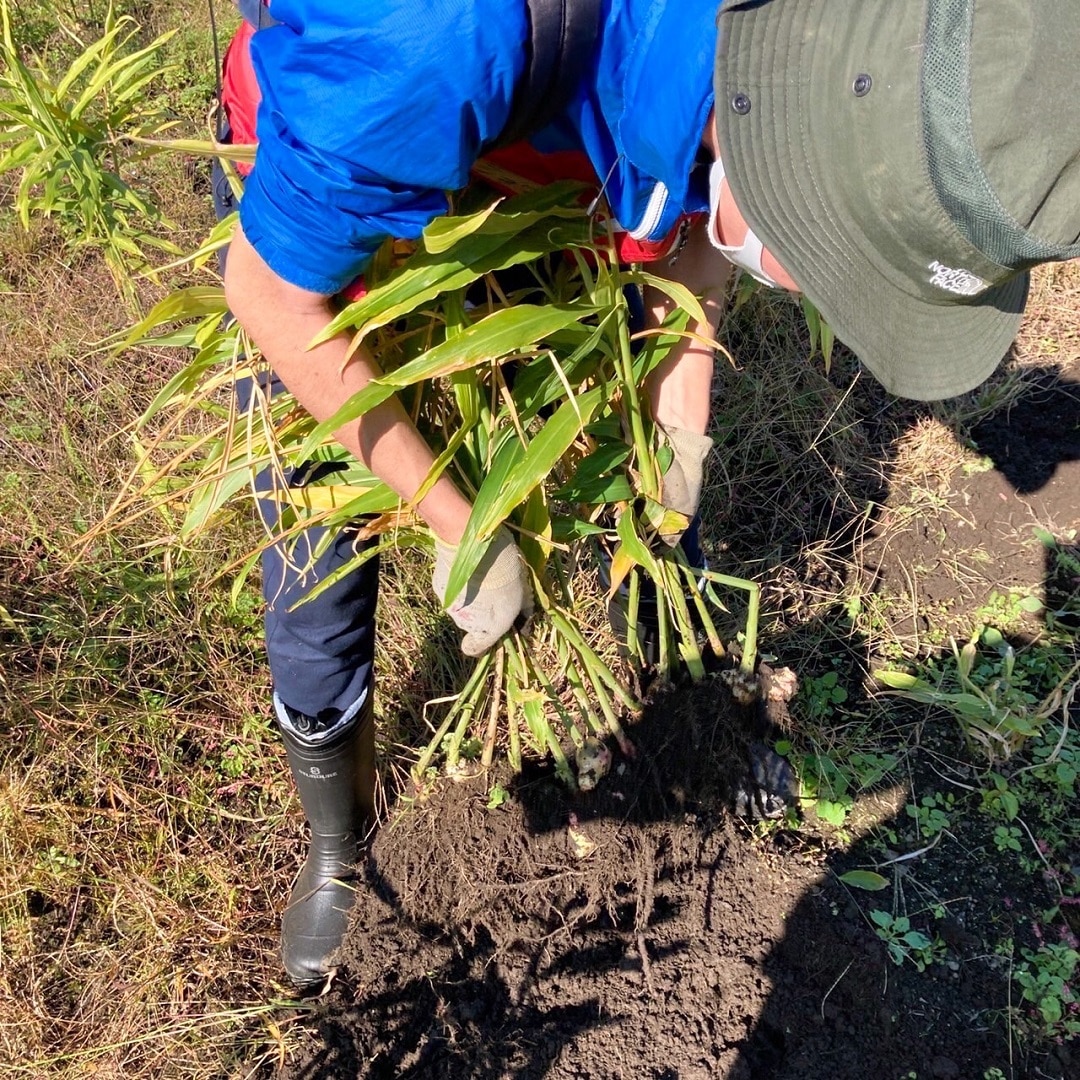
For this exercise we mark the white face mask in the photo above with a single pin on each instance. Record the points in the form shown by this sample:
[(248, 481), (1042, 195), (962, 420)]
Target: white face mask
[(747, 255)]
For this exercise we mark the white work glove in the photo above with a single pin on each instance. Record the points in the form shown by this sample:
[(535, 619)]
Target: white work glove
[(496, 594), (680, 488)]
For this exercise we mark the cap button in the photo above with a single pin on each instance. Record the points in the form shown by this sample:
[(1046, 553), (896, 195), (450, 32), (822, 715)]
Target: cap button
[(740, 104), (861, 86)]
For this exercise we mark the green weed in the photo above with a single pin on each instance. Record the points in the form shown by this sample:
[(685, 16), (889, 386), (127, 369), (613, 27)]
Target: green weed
[(904, 943), (1046, 976), (1007, 838), (189, 80), (66, 135), (819, 695), (1000, 698), (1009, 611), (831, 781), (1063, 558), (932, 813)]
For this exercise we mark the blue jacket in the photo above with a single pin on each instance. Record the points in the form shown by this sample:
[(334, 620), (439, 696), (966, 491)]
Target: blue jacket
[(371, 111)]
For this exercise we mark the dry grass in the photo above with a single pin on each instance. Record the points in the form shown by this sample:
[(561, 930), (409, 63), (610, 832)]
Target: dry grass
[(814, 465), (1051, 330), (799, 466), (144, 848), (148, 829)]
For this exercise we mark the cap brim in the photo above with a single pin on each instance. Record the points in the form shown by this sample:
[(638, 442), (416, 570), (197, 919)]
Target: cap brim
[(784, 182)]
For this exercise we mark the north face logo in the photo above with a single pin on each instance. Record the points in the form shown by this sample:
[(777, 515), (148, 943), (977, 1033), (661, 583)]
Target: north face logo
[(958, 281)]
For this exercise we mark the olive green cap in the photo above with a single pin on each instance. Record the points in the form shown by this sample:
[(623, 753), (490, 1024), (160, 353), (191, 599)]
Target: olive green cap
[(907, 162)]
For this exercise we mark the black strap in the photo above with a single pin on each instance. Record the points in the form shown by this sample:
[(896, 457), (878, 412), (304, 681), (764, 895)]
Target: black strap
[(256, 13), (562, 34)]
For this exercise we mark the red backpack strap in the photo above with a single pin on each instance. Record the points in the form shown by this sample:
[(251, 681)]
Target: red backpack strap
[(240, 95)]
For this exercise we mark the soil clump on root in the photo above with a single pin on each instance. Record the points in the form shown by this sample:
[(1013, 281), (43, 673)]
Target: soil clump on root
[(640, 930)]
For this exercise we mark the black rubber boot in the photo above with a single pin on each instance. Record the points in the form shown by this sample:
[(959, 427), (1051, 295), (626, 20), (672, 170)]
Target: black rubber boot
[(648, 624), (336, 782)]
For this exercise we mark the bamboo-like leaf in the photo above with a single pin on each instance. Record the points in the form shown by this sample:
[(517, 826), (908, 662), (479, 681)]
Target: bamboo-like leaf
[(441, 462), (500, 334), (121, 80), (973, 705), (965, 660), (94, 51), (540, 383), (634, 546), (110, 66), (610, 488), (19, 155), (620, 569), (828, 340), (969, 705), (901, 680), (865, 879), (193, 303), (350, 566), (506, 461), (220, 236), (515, 472), (595, 479), (543, 451), (813, 322), (658, 344), (669, 522), (566, 530), (531, 703), (535, 539), (444, 232), (425, 276), (475, 414), (679, 293), (504, 332), (183, 382), (212, 496), (237, 152), (821, 333), (323, 497)]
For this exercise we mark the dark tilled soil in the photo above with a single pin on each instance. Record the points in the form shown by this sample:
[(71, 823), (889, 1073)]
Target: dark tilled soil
[(684, 945), (680, 947)]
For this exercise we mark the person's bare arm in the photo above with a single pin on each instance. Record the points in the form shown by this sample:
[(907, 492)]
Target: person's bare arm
[(282, 320), (680, 388)]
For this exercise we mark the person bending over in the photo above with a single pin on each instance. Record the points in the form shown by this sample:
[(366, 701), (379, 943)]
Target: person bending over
[(904, 163)]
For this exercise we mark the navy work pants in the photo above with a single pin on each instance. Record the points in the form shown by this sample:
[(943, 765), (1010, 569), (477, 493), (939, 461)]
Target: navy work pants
[(321, 652)]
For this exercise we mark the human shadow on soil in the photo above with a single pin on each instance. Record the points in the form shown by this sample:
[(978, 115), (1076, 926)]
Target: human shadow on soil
[(640, 930), (850, 1010), (1033, 437), (456, 1019)]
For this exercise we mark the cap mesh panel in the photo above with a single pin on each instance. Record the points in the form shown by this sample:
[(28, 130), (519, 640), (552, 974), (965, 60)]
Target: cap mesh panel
[(955, 169)]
